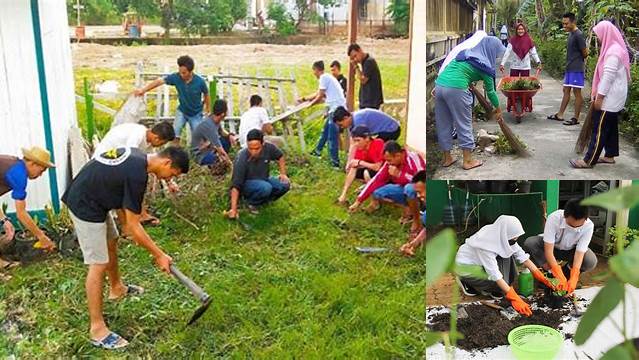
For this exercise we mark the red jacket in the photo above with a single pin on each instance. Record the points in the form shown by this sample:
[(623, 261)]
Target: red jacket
[(413, 163)]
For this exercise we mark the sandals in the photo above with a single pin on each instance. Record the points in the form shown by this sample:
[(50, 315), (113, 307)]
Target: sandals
[(601, 161), (130, 290), (449, 164), (477, 164), (7, 265), (571, 122), (150, 221), (575, 165), (112, 341), (554, 117)]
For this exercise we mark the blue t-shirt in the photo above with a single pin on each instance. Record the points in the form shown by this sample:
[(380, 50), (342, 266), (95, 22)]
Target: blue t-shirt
[(16, 177), (189, 95), (375, 120)]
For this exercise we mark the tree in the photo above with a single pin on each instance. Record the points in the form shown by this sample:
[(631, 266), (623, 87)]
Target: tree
[(399, 11), (507, 11)]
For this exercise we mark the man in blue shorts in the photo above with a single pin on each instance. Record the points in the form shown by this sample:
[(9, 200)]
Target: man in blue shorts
[(576, 54), (193, 95)]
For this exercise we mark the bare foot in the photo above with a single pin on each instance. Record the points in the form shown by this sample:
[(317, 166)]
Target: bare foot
[(407, 250), (472, 164), (117, 292)]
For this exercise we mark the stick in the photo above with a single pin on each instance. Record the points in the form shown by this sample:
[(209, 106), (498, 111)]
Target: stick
[(186, 220), (510, 136), (586, 132)]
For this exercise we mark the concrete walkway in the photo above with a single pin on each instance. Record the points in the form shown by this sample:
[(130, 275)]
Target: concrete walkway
[(550, 142)]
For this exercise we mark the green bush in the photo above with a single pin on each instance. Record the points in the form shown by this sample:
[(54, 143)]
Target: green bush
[(284, 22), (629, 125), (399, 11), (553, 56), (206, 17)]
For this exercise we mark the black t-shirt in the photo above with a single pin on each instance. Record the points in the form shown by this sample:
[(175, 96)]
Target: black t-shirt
[(370, 94), (343, 82), (115, 179), (246, 168)]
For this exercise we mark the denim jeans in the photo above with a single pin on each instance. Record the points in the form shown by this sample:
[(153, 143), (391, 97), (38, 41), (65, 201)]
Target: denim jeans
[(258, 192), (181, 119), (330, 133), (211, 157), (399, 194)]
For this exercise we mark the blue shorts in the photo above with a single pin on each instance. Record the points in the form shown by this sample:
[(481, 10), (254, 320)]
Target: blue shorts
[(574, 79), (396, 193)]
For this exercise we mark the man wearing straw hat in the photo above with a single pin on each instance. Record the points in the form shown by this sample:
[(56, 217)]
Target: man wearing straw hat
[(14, 173)]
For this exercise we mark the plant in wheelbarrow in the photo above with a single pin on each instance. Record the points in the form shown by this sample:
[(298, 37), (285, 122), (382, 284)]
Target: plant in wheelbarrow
[(623, 272)]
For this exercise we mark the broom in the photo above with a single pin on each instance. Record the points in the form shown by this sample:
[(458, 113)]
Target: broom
[(586, 132), (512, 139)]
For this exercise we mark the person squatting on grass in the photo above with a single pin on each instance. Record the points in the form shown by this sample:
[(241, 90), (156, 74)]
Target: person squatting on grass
[(609, 93), (14, 175), (371, 94), (380, 124), (523, 48), (210, 144), (256, 117), (419, 183), (193, 95), (251, 175), (494, 248), (454, 101), (566, 236), (392, 185), (330, 92), (137, 136), (576, 54), (113, 180), (368, 159)]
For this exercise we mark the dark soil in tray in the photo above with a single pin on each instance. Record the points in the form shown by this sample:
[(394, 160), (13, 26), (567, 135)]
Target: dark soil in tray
[(487, 328), (21, 248)]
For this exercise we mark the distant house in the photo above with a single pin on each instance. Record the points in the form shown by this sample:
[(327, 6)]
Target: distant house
[(369, 10)]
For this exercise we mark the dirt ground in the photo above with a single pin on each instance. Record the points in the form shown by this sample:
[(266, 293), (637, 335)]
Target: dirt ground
[(231, 56), (441, 292), (550, 142)]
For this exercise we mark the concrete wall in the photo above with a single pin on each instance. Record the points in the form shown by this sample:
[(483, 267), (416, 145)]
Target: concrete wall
[(37, 105), (416, 124)]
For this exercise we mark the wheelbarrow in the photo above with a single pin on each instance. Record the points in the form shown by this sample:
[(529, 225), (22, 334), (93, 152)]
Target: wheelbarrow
[(519, 101)]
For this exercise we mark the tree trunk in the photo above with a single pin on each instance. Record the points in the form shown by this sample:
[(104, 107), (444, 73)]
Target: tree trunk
[(167, 16), (541, 18)]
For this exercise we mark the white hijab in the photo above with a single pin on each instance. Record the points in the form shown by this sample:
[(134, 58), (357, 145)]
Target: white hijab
[(504, 30), (494, 237), (469, 43)]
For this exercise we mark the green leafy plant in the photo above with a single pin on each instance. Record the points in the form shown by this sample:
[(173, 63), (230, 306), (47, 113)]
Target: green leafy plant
[(284, 22), (399, 11), (522, 84), (624, 271), (555, 282), (628, 235), (503, 146)]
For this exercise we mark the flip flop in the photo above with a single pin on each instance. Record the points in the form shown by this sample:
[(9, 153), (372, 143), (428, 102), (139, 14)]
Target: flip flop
[(574, 164), (10, 265), (130, 290), (554, 117), (600, 161), (112, 341), (151, 221), (405, 220), (475, 166), (451, 163), (571, 122)]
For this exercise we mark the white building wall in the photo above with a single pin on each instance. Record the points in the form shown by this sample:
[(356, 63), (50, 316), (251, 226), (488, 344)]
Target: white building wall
[(416, 128), (21, 120)]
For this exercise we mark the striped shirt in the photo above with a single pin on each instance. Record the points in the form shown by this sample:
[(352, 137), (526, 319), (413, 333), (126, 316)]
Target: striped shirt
[(413, 163)]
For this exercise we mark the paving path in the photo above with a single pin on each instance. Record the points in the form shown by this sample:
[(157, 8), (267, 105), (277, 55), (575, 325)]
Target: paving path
[(551, 144)]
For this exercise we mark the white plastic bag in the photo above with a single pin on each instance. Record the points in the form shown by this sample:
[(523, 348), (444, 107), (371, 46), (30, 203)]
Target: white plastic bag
[(131, 111)]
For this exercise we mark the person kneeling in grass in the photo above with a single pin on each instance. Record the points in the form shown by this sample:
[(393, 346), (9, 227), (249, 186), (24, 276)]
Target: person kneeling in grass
[(368, 159), (494, 248), (251, 178), (113, 180), (14, 174), (392, 184), (137, 136), (419, 183), (210, 144), (566, 236)]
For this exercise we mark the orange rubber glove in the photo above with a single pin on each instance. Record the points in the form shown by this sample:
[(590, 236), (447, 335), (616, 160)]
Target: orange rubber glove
[(518, 304), (559, 275), (574, 278), (539, 276)]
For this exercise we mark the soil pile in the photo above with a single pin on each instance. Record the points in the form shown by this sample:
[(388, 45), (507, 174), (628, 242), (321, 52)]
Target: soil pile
[(487, 328)]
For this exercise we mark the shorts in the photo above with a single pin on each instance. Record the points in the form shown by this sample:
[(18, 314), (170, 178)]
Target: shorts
[(359, 174), (574, 79), (93, 238), (398, 194)]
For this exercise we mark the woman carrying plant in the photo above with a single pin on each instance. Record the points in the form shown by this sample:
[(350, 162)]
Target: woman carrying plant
[(523, 48), (609, 93), (454, 101), (494, 247)]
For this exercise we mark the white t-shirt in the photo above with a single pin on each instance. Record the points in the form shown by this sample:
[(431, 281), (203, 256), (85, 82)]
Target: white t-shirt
[(334, 92), (253, 118), (565, 237), (613, 84), (469, 255), (124, 135), (519, 64)]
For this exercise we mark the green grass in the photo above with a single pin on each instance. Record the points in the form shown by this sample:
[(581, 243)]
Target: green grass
[(286, 284)]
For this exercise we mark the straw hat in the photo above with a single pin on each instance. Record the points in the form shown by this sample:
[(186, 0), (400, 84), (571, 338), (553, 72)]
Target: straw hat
[(39, 156)]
